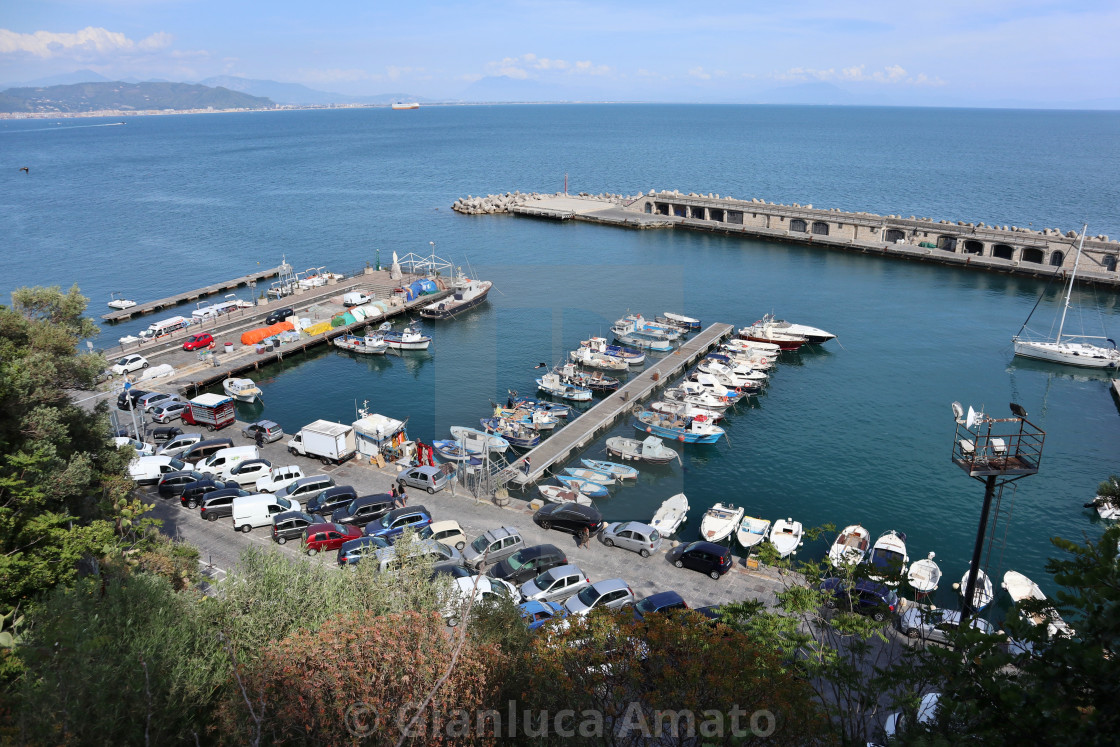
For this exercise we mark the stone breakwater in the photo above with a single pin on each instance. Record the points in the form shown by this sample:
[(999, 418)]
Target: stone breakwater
[(504, 203)]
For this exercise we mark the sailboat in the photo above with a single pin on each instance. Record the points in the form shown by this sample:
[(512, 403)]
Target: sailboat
[(1073, 350)]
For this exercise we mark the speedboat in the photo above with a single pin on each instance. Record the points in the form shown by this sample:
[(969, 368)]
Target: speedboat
[(560, 494), (614, 469), (763, 332), (588, 488), (242, 390), (591, 475), (600, 345), (720, 521), (367, 344), (652, 449), (410, 338), (982, 596), (1021, 588), (924, 576), (752, 531), (551, 384), (475, 440), (814, 335), (120, 303), (785, 536), (850, 547), (672, 513), (694, 397), (888, 558), (735, 375), (589, 358), (751, 346)]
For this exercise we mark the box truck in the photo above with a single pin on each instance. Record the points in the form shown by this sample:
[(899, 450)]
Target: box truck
[(331, 443)]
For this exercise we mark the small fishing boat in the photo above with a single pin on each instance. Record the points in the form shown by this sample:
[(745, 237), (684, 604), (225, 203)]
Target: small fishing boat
[(551, 384), (560, 494), (627, 334), (588, 488), (590, 359), (116, 302), (366, 344), (242, 390), (684, 410), (709, 403), (851, 546), (538, 420), (888, 558), (595, 381), (693, 430), (556, 409), (720, 521), (785, 536), (680, 320), (475, 440), (600, 345), (814, 335), (591, 475), (614, 469), (1107, 500), (515, 434), (409, 338), (982, 596), (451, 451), (924, 576), (672, 513), (652, 450), (646, 327), (762, 332), (752, 531), (699, 382), (1021, 588)]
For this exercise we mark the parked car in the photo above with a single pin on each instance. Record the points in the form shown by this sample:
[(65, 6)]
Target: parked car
[(613, 593), (482, 589), (662, 601), (447, 532), (165, 433), (430, 479), (306, 488), (937, 624), (279, 478), (142, 449), (219, 504), (324, 537), (278, 315), (866, 597), (126, 400), (290, 525), (569, 517), (492, 546), (147, 470), (151, 399), (332, 499), (178, 445), (354, 550), (269, 431), (926, 714), (172, 484), (388, 560), (165, 412), (202, 449), (706, 557), (129, 363), (197, 341), (392, 525), (249, 471), (527, 563), (555, 584), (363, 510), (633, 535), (536, 614), (192, 494)]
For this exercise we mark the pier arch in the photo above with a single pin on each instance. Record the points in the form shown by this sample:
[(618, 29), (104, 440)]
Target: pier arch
[(1109, 262), (649, 210), (972, 246), (820, 228), (947, 243), (1057, 258), (894, 234), (1032, 254), (796, 224), (1003, 251)]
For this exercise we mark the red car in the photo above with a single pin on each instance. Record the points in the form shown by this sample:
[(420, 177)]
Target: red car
[(323, 537), (202, 340)]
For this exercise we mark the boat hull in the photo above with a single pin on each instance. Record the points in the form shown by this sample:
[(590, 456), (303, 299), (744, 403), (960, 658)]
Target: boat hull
[(617, 471), (785, 536), (452, 307), (1068, 353)]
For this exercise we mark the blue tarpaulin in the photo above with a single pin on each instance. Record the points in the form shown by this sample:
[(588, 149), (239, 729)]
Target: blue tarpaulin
[(421, 288)]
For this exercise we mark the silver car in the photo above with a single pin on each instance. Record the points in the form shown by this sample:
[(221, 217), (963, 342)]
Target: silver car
[(632, 535), (936, 624), (614, 593), (555, 584), (494, 545), (166, 411)]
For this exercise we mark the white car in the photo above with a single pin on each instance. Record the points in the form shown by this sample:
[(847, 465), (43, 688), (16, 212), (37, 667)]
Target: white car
[(129, 363), (142, 449), (248, 472), (483, 588), (279, 478)]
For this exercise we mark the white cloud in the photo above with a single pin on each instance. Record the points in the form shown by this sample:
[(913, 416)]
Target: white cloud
[(698, 72), (527, 65), (891, 74), (90, 41)]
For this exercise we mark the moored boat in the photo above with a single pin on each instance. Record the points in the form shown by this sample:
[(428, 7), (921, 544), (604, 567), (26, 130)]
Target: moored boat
[(366, 344), (561, 494), (242, 390), (451, 451), (466, 294), (475, 440), (551, 384), (785, 536), (762, 332), (600, 345), (409, 338), (646, 327), (591, 475), (720, 521), (652, 449), (684, 410), (752, 531), (982, 596), (116, 302), (616, 470), (515, 434), (888, 558), (595, 381), (682, 320), (591, 359), (924, 576), (851, 546), (629, 335), (558, 409), (670, 515), (1021, 589), (814, 335), (588, 488), (690, 430)]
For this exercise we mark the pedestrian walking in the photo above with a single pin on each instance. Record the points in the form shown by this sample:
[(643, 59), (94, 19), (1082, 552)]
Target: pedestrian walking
[(403, 497), (584, 538), (525, 466)]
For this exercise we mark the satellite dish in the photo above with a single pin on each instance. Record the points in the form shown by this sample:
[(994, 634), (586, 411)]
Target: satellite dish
[(973, 416), (958, 411), (1018, 410)]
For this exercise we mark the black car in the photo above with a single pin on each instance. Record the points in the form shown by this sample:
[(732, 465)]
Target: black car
[(219, 504), (165, 433), (172, 484), (662, 601), (454, 571), (332, 499), (362, 511), (192, 495), (527, 563), (706, 557), (864, 596), (278, 315), (127, 399), (290, 525), (569, 517)]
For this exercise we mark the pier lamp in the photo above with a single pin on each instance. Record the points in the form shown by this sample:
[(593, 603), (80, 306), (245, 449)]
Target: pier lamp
[(997, 452)]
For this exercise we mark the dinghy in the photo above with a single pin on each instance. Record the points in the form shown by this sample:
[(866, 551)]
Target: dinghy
[(475, 440), (586, 473), (752, 531), (588, 488), (924, 576), (560, 494), (850, 547), (651, 450), (720, 521), (888, 558), (614, 469), (1021, 588), (672, 513), (785, 536), (983, 595)]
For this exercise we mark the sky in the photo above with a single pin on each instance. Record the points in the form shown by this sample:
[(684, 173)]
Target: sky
[(952, 52)]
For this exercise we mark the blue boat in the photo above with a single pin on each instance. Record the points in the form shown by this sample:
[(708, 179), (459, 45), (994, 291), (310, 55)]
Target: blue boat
[(552, 408), (550, 383), (514, 434), (614, 469), (627, 333), (691, 430), (588, 488), (450, 451)]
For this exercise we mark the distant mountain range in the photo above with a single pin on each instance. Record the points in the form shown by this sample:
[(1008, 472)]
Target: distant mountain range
[(118, 96), (300, 95)]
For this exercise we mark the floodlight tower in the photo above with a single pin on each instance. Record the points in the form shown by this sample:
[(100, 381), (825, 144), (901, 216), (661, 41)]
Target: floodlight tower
[(995, 451)]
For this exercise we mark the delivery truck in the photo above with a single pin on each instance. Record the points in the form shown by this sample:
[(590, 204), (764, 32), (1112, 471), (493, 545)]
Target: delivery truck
[(330, 443), (215, 411)]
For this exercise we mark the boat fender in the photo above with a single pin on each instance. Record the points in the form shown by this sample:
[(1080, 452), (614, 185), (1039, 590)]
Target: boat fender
[(681, 438), (738, 390), (648, 429)]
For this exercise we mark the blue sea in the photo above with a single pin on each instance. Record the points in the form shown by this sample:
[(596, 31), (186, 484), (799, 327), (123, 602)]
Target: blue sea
[(859, 431)]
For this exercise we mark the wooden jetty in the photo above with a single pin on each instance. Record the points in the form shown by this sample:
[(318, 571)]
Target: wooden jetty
[(191, 295), (593, 422)]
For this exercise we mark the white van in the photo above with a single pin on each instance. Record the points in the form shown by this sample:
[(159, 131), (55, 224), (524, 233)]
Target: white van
[(222, 461), (147, 470), (164, 327), (257, 510), (355, 299)]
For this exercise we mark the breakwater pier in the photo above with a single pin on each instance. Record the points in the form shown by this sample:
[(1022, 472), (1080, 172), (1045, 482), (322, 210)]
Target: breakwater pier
[(1011, 249), (162, 303)]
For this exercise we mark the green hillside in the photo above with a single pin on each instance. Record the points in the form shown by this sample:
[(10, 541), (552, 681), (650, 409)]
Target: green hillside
[(92, 97)]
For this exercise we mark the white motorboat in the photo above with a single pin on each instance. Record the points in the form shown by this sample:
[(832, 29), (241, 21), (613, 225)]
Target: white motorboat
[(684, 410), (672, 513), (590, 359), (752, 358), (924, 576), (632, 356), (1107, 501), (1021, 588), (709, 384), (720, 521), (551, 384), (888, 558), (752, 346), (410, 338), (475, 441), (559, 494), (1072, 350), (983, 594), (365, 344), (851, 546), (683, 321), (737, 375), (652, 449), (752, 531), (695, 397), (785, 536), (115, 302), (762, 331), (242, 390), (814, 335)]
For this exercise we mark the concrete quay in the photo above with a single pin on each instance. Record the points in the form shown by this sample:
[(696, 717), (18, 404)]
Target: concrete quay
[(191, 295)]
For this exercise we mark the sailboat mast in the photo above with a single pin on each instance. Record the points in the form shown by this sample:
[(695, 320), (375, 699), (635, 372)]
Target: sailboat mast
[(1072, 278)]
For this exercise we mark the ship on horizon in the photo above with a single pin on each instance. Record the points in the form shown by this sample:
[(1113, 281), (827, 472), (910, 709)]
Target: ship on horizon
[(406, 105)]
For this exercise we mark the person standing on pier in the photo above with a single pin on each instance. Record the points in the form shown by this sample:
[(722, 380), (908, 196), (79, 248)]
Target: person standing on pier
[(525, 466), (258, 438)]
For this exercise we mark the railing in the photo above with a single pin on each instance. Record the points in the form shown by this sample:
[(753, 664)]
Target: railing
[(998, 446)]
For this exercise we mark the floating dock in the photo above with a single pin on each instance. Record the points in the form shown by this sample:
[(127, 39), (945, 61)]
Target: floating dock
[(590, 424), (192, 295)]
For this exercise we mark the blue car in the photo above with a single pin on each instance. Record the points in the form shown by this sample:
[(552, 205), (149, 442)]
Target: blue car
[(392, 525), (663, 601), (537, 614)]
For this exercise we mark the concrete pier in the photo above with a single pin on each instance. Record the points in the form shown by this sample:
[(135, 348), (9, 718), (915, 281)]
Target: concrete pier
[(191, 295), (589, 425)]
